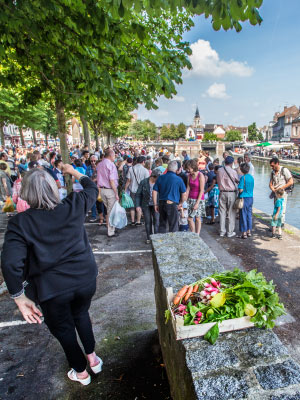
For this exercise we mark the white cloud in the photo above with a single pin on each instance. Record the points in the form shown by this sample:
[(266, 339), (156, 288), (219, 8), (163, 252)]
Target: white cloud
[(217, 91), (179, 99), (206, 62)]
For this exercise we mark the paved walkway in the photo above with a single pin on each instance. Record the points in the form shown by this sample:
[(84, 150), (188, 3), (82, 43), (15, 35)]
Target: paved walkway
[(32, 365)]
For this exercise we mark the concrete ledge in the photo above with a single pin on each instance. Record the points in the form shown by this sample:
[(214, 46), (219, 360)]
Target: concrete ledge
[(252, 364)]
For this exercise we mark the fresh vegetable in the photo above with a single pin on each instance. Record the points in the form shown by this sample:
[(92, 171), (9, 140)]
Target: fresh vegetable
[(180, 294), (228, 295), (188, 293)]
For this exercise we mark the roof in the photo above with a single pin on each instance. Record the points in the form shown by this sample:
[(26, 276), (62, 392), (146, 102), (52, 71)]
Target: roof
[(210, 126), (197, 114), (288, 110)]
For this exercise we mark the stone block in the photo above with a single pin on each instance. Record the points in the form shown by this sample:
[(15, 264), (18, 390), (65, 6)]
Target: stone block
[(277, 376), (295, 396), (256, 347), (202, 357), (231, 385)]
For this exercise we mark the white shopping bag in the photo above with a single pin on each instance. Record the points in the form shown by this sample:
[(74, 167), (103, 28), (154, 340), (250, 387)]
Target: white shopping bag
[(118, 217)]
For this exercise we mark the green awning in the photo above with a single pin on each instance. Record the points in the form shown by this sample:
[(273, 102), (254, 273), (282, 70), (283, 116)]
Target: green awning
[(265, 144)]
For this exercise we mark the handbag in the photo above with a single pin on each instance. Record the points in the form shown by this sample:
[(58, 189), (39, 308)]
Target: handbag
[(239, 202), (126, 201)]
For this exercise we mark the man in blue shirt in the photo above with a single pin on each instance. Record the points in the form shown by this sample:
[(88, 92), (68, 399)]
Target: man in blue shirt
[(171, 190), (185, 156)]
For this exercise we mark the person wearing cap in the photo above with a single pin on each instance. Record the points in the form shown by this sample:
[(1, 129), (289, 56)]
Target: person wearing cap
[(227, 179), (144, 202)]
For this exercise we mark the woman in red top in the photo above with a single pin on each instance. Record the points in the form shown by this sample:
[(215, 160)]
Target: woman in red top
[(195, 196)]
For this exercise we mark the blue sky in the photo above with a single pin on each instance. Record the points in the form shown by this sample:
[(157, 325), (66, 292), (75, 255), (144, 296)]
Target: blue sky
[(239, 78)]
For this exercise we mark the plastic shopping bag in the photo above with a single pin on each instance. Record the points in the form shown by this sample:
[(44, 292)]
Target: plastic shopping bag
[(9, 205), (118, 217), (126, 201)]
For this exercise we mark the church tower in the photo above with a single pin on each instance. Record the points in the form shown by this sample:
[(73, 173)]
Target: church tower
[(197, 120)]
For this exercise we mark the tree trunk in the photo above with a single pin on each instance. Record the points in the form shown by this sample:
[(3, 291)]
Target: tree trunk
[(86, 133), (34, 137), (2, 134), (46, 139), (62, 134), (108, 138), (22, 137), (97, 138)]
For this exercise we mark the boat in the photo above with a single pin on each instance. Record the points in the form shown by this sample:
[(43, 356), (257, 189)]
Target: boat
[(295, 174)]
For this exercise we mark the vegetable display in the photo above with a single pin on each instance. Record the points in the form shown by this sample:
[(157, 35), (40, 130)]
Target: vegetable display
[(228, 295)]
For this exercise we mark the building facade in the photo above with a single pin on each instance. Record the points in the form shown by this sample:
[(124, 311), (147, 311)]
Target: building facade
[(195, 131), (282, 129), (295, 137)]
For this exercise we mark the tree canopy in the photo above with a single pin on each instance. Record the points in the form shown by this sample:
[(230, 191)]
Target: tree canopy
[(118, 51), (209, 136), (252, 132), (233, 136)]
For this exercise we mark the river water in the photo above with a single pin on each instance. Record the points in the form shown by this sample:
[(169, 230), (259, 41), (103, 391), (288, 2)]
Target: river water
[(262, 191)]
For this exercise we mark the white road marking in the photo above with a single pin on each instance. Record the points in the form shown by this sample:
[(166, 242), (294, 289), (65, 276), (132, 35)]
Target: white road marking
[(11, 323), (122, 252)]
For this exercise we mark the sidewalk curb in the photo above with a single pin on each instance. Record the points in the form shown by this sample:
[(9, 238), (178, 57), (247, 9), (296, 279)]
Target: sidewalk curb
[(292, 230)]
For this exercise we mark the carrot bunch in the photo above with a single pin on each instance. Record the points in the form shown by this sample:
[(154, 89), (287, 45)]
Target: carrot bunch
[(185, 293)]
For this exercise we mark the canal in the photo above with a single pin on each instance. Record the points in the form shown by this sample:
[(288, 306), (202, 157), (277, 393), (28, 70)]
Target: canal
[(262, 191)]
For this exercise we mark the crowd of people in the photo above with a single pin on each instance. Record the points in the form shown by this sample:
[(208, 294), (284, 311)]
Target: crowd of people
[(47, 259), (169, 192), (283, 153)]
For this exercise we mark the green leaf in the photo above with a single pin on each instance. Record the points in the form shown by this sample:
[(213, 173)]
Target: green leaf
[(212, 335), (167, 316)]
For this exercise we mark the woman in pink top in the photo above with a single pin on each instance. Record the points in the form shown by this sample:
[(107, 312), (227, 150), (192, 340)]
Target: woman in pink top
[(21, 205), (195, 196)]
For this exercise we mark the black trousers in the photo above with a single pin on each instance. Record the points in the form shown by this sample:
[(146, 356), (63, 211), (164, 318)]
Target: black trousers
[(168, 214), (151, 219), (66, 314)]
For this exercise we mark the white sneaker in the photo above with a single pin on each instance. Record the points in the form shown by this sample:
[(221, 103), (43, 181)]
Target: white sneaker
[(73, 376), (231, 234), (222, 234), (97, 368)]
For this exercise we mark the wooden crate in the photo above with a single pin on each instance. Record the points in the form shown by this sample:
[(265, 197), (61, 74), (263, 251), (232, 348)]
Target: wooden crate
[(185, 332)]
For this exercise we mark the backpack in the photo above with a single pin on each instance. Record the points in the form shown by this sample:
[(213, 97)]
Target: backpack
[(289, 189)]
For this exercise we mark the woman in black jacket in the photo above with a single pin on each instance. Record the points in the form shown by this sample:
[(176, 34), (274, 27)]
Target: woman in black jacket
[(47, 260), (144, 201)]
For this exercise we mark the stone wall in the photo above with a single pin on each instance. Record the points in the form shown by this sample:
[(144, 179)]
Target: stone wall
[(192, 148), (250, 364)]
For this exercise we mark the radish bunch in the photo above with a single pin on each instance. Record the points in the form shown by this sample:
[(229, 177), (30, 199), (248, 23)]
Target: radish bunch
[(198, 317), (210, 290), (182, 310)]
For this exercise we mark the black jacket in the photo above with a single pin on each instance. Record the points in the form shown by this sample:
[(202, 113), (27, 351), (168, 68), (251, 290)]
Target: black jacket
[(50, 249), (142, 196)]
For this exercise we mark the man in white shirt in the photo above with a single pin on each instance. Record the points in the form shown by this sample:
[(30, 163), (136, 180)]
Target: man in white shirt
[(247, 159), (134, 177)]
